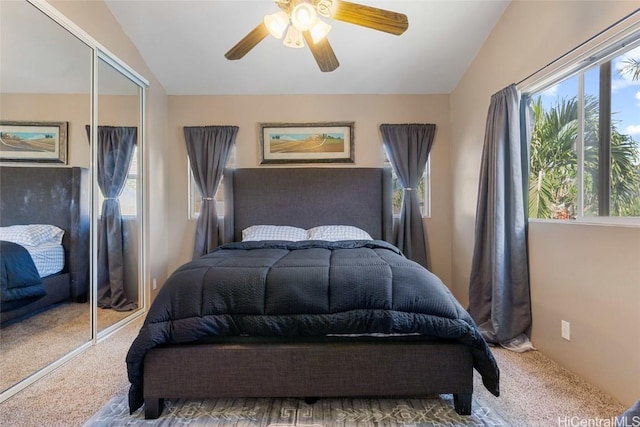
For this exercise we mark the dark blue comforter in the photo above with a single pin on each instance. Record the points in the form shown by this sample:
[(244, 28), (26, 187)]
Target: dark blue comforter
[(304, 289), (20, 283)]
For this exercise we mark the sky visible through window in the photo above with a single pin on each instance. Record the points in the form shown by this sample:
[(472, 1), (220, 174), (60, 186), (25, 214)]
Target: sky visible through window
[(606, 185), (625, 95)]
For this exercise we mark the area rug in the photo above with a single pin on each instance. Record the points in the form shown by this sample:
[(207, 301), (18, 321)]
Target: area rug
[(437, 411)]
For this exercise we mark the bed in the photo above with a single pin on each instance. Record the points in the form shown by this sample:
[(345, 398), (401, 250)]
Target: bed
[(271, 338), (56, 196)]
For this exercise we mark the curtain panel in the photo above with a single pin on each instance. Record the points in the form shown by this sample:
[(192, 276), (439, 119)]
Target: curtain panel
[(115, 150), (209, 148), (499, 298), (408, 147)]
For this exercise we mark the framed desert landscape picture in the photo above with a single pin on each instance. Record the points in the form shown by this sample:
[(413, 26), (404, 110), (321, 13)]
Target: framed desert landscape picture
[(33, 142), (306, 142)]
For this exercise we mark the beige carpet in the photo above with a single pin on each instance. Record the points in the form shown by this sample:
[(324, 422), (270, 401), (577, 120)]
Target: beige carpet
[(31, 344), (535, 391)]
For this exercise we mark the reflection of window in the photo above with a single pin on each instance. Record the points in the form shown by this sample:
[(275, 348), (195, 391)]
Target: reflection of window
[(585, 146), (195, 198), (424, 189), (129, 196)]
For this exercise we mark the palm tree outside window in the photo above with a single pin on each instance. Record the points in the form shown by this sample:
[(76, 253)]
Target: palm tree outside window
[(585, 145)]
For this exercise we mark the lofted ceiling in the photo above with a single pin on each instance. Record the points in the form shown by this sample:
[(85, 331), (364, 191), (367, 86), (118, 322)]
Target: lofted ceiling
[(184, 42)]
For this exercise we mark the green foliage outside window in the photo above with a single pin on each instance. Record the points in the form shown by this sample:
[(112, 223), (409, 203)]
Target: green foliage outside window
[(553, 186), (554, 167)]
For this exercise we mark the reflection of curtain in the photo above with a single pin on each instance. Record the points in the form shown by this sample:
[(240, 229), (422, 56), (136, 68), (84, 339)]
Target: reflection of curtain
[(408, 147), (499, 299), (208, 148), (115, 150)]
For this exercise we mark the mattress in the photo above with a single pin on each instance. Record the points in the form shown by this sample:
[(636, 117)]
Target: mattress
[(48, 258)]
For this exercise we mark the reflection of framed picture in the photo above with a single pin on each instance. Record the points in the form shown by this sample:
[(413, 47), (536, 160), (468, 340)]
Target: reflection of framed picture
[(306, 142), (33, 142)]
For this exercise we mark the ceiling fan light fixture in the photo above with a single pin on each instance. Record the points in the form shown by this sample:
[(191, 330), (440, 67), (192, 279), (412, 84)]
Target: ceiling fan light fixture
[(304, 16), (319, 31), (293, 38), (277, 23)]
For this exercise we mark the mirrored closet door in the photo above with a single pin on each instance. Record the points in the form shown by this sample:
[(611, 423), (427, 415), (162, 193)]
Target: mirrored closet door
[(118, 175), (59, 92), (45, 101)]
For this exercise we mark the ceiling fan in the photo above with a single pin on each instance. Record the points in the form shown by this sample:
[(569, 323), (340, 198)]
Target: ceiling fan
[(301, 21)]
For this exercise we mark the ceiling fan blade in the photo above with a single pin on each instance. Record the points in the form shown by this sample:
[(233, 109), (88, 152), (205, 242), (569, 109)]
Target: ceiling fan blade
[(248, 42), (322, 52), (370, 17)]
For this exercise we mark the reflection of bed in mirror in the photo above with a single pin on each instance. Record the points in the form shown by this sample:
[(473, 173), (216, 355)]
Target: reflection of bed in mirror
[(55, 196)]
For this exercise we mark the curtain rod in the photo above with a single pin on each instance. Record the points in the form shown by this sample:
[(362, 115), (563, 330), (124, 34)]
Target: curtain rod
[(569, 52)]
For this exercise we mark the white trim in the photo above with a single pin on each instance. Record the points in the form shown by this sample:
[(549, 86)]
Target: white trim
[(191, 213), (622, 36), (598, 49), (628, 222), (426, 208), (123, 68), (580, 148), (112, 329)]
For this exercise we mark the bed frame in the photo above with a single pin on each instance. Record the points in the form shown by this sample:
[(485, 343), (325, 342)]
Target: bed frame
[(58, 196), (307, 197)]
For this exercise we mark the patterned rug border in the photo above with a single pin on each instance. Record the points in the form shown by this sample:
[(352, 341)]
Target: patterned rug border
[(290, 412)]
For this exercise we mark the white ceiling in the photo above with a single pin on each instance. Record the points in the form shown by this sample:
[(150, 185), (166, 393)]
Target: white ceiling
[(184, 42)]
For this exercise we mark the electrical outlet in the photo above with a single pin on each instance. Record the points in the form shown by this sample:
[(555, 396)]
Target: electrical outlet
[(155, 285), (565, 328)]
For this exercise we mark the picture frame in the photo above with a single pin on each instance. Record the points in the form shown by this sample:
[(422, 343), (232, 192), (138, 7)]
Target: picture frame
[(329, 142), (23, 141)]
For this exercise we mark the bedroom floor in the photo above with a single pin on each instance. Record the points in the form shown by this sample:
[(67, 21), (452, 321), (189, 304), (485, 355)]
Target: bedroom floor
[(535, 391), (46, 337)]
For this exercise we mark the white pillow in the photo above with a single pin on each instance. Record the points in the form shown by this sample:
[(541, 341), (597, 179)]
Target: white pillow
[(333, 233), (273, 232), (32, 234)]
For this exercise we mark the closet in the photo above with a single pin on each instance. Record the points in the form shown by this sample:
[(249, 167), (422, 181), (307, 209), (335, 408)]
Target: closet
[(60, 87)]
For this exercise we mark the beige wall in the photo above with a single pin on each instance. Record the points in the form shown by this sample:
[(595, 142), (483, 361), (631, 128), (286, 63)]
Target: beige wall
[(589, 276), (73, 109), (368, 112), (96, 19), (528, 36)]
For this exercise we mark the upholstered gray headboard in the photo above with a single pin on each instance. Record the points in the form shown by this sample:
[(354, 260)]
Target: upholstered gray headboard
[(308, 197), (52, 195)]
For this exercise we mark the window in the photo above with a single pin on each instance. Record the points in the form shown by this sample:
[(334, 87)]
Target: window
[(585, 145), (195, 198), (129, 196), (424, 189)]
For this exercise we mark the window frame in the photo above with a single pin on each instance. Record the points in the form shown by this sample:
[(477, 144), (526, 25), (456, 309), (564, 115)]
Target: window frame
[(136, 178), (425, 210), (603, 48), (192, 189)]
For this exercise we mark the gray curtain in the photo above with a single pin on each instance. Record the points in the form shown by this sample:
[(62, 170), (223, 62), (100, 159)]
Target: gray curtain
[(208, 148), (408, 147), (499, 299), (115, 150)]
